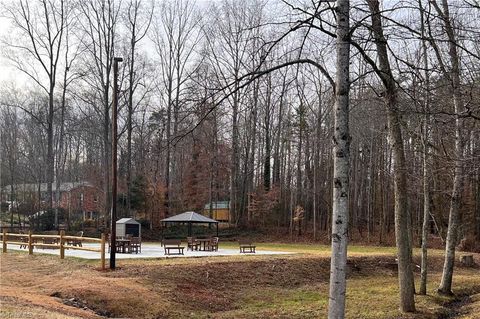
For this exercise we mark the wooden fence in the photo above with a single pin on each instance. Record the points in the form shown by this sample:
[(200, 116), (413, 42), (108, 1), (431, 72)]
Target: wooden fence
[(30, 241)]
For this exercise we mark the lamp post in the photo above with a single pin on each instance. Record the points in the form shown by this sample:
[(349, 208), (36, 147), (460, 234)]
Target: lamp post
[(113, 216)]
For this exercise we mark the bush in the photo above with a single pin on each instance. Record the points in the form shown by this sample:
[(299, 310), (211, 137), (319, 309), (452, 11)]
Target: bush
[(45, 220), (3, 207)]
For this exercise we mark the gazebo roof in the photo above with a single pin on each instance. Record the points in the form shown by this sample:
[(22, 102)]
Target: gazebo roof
[(189, 217)]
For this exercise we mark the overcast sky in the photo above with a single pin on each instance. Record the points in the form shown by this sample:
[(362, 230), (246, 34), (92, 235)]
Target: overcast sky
[(5, 72)]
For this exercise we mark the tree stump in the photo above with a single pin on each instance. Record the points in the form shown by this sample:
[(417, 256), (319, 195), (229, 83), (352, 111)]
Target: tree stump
[(467, 260)]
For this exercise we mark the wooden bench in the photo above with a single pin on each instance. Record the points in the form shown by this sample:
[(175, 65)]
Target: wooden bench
[(76, 242), (247, 247), (173, 244)]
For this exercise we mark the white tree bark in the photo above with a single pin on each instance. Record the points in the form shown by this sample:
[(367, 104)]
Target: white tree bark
[(336, 306)]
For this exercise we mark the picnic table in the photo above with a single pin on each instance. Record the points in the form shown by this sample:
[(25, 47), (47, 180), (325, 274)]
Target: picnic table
[(122, 244), (204, 242)]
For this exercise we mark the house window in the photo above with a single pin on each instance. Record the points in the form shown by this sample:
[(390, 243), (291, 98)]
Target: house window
[(95, 198)]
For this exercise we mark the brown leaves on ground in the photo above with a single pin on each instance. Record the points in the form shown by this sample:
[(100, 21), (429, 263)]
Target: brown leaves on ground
[(150, 290), (163, 288)]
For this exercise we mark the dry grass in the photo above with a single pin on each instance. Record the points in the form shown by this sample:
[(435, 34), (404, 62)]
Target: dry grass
[(471, 310), (284, 286)]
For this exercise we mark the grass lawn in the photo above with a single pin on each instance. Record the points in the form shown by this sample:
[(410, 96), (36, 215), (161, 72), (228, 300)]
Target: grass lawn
[(281, 286), (318, 249)]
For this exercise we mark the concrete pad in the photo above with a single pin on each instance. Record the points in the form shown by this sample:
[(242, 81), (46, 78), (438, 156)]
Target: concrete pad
[(149, 250)]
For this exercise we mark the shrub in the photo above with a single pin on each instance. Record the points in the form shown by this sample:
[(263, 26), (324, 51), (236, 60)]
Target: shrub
[(45, 220)]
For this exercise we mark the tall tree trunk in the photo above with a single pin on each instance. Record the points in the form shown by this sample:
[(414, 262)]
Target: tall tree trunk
[(106, 156), (50, 154), (426, 160), (341, 140), (402, 231), (61, 157), (11, 207), (426, 205), (234, 211), (277, 156), (451, 241), (477, 202), (316, 163), (129, 120), (268, 148), (298, 183), (168, 155), (252, 139), (454, 76), (60, 162)]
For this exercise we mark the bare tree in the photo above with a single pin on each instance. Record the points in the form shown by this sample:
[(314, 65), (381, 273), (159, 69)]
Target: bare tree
[(402, 231), (42, 29), (341, 140), (229, 41), (453, 75), (98, 23), (426, 156), (175, 34), (138, 23)]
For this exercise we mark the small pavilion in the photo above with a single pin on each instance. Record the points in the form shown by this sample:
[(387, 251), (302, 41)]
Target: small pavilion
[(188, 218)]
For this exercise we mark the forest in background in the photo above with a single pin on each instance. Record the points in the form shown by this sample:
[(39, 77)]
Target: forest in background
[(234, 100)]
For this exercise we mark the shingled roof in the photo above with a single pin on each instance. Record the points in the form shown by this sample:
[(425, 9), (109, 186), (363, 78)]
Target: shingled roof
[(189, 217)]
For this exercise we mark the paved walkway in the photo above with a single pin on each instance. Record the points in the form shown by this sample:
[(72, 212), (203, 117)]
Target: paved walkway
[(149, 250)]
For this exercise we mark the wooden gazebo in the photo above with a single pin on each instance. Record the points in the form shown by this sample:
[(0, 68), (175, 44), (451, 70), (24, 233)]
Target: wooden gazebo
[(188, 218)]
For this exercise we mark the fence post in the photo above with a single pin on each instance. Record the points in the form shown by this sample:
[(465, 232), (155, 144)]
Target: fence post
[(4, 240), (102, 251), (30, 246), (62, 248)]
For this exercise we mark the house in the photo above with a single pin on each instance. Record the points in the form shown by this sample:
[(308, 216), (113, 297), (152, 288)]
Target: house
[(75, 197), (84, 198), (220, 211)]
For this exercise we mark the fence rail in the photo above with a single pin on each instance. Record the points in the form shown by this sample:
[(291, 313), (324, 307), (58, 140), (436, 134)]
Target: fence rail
[(28, 240)]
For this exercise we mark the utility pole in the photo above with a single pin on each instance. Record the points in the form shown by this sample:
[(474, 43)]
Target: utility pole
[(113, 217)]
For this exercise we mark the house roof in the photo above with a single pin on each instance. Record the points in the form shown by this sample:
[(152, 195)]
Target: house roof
[(127, 221), (64, 187), (218, 205), (189, 217)]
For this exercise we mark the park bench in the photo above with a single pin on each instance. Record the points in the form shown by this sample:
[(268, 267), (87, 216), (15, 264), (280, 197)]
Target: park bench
[(24, 240), (214, 244), (247, 247), (76, 242), (173, 244)]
